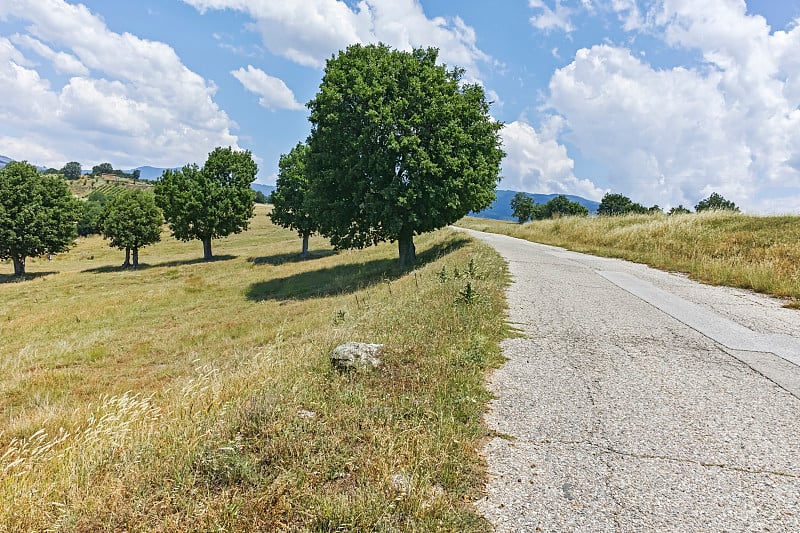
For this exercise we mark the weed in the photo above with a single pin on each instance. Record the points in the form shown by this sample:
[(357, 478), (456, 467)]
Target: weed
[(468, 294)]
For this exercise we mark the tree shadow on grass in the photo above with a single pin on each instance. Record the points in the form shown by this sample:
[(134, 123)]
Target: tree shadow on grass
[(345, 279), (280, 259), (116, 268), (11, 278), (145, 266)]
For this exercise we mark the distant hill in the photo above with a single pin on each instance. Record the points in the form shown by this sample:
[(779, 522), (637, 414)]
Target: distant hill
[(4, 160), (148, 172), (501, 208), (266, 189)]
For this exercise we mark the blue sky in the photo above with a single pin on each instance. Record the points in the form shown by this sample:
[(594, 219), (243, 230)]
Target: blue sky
[(662, 100)]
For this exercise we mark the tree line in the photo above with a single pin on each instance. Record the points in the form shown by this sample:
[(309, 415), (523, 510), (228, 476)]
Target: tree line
[(613, 204), (73, 171), (399, 146)]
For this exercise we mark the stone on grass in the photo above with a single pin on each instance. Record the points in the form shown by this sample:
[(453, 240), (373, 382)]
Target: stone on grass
[(356, 355)]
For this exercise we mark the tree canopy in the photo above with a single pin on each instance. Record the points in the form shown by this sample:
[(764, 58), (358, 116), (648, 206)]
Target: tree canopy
[(131, 220), (399, 146), (561, 206), (678, 210), (716, 202), (72, 170), (290, 208), (209, 202), (614, 204), (522, 207), (37, 214), (102, 168)]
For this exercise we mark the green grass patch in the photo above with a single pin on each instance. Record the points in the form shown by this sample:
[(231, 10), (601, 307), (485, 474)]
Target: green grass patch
[(761, 253), (191, 395)]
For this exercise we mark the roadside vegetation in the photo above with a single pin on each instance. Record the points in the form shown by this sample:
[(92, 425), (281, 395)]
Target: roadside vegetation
[(198, 395), (761, 253)]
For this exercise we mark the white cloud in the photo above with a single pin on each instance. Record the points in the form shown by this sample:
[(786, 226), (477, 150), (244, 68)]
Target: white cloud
[(143, 107), (273, 92), (730, 125), (536, 162), (555, 18), (63, 63), (308, 32)]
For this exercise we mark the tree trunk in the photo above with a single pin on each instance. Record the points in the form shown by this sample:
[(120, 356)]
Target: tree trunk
[(19, 266), (207, 249), (304, 253), (408, 254), (127, 262), (135, 256)]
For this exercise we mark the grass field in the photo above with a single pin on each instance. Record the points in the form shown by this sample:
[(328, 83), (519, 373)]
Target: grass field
[(761, 253), (191, 395), (109, 186)]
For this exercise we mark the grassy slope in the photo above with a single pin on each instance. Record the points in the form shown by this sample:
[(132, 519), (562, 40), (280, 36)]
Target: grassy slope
[(86, 185), (180, 396), (754, 252)]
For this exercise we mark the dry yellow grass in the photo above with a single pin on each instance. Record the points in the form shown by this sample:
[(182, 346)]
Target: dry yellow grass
[(761, 253), (198, 396)]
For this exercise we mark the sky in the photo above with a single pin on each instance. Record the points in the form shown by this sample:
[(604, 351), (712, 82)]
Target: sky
[(665, 101)]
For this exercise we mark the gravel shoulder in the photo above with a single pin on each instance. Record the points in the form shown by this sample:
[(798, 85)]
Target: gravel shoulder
[(638, 400)]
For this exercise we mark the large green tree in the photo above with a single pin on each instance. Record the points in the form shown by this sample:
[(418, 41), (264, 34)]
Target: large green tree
[(399, 146), (522, 207), (209, 202), (72, 170), (131, 220), (290, 209), (715, 202), (561, 206), (615, 204), (37, 214)]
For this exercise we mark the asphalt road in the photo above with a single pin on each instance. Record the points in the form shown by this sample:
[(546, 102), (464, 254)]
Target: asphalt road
[(638, 400)]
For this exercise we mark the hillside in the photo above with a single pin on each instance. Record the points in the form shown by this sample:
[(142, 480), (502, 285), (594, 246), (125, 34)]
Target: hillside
[(107, 184), (191, 395), (501, 208), (760, 253)]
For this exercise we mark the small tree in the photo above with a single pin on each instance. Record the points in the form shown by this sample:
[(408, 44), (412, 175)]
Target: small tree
[(72, 170), (136, 174), (261, 198), (679, 210), (102, 168), (37, 214), (131, 220), (522, 207), (89, 221), (210, 202), (290, 208), (618, 204), (399, 146), (716, 202), (561, 206)]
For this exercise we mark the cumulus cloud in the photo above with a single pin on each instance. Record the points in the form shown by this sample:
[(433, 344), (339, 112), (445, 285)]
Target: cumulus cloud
[(63, 63), (729, 124), (308, 32), (130, 101), (537, 162), (555, 18), (273, 92)]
